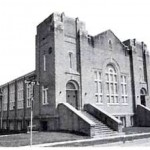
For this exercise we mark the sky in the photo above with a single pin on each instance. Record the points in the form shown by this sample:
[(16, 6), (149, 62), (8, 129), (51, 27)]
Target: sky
[(128, 19)]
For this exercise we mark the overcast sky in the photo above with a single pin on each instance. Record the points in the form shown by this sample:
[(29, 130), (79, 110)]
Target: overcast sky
[(128, 19)]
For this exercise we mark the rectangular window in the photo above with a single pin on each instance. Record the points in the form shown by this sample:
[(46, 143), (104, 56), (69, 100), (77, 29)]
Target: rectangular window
[(115, 89), (12, 97), (4, 125), (29, 94), (111, 88), (116, 99), (5, 98), (107, 77), (20, 95), (108, 99), (111, 77), (98, 87), (107, 88), (44, 95), (44, 62), (124, 89), (96, 96), (70, 59), (131, 120), (123, 119)]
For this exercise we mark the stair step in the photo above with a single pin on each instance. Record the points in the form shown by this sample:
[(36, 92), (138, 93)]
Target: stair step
[(101, 130)]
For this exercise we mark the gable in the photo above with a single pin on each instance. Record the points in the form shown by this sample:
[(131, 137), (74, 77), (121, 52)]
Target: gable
[(108, 41)]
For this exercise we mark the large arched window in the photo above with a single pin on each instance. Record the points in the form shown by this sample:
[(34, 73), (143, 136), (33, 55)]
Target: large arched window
[(111, 84)]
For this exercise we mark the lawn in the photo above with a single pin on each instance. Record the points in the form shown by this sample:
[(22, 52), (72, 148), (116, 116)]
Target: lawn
[(38, 138)]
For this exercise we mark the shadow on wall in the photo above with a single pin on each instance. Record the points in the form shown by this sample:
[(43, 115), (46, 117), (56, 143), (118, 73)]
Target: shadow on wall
[(143, 116)]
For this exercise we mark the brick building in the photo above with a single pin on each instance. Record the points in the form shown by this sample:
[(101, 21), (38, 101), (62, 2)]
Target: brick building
[(80, 76)]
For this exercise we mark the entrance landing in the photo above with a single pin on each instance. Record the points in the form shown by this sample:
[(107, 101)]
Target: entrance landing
[(134, 130)]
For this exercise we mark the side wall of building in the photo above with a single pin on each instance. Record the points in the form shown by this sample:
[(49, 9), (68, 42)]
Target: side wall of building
[(15, 104)]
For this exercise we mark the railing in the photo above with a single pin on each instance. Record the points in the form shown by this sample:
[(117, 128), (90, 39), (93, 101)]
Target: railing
[(104, 117), (73, 120)]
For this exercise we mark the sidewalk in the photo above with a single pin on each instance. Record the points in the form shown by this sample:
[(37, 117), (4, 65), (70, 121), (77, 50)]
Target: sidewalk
[(97, 141)]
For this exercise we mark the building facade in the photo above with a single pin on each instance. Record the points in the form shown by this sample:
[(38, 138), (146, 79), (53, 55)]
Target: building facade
[(77, 68)]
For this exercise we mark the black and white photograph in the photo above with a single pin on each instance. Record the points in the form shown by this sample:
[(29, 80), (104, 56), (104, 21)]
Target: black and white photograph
[(74, 73)]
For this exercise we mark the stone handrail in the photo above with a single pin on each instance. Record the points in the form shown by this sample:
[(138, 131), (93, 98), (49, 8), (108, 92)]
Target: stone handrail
[(104, 117), (73, 120)]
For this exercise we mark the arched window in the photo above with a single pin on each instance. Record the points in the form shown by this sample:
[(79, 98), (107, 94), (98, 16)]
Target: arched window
[(71, 86), (143, 91), (111, 84)]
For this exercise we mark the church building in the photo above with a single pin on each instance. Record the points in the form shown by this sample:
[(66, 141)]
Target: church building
[(81, 83)]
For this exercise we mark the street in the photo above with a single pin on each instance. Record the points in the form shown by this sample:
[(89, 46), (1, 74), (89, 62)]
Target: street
[(139, 142)]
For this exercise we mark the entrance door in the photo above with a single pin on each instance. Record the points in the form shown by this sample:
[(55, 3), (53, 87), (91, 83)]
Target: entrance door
[(142, 96), (143, 100), (72, 98), (44, 125), (71, 94)]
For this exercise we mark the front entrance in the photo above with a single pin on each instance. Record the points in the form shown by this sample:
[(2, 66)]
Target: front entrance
[(44, 125), (142, 96), (72, 94)]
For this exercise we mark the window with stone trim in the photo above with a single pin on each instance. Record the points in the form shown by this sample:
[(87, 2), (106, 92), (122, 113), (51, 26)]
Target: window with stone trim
[(5, 98), (111, 85), (44, 62), (98, 86), (70, 59), (20, 95), (12, 97), (124, 95), (29, 94), (44, 95)]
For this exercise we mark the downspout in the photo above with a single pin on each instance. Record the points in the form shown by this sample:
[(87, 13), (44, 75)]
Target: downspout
[(132, 79), (78, 53), (7, 121), (145, 67)]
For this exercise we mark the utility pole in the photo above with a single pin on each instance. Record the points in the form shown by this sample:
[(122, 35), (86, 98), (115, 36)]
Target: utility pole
[(32, 83), (32, 99), (31, 122)]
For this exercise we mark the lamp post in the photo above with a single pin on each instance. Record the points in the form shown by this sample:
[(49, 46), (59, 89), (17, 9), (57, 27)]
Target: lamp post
[(32, 83), (1, 100)]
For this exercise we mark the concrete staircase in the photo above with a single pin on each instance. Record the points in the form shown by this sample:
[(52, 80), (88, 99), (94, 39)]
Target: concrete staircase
[(101, 130)]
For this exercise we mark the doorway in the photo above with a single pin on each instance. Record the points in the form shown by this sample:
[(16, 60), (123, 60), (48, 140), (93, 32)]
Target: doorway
[(44, 125), (142, 96), (72, 94)]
